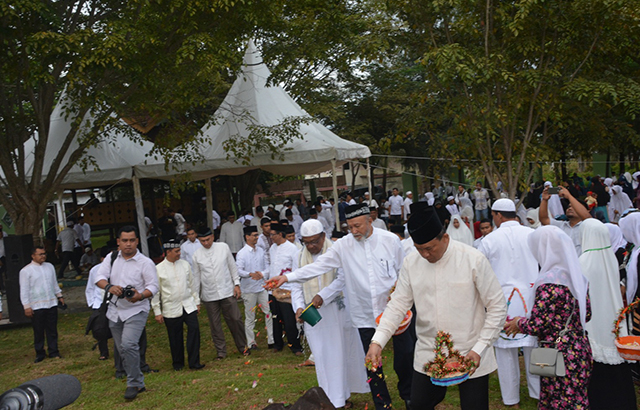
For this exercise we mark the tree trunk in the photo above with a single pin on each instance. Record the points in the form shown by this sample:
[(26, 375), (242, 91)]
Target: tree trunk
[(621, 162), (245, 189)]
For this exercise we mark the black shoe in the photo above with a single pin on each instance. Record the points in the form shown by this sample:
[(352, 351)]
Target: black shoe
[(120, 375), (178, 368), (254, 347), (150, 370), (271, 346), (39, 359), (132, 392), (197, 367)]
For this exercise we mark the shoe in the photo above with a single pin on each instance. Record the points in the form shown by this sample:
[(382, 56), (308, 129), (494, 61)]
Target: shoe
[(298, 353), (103, 358), (120, 375), (307, 363), (39, 359), (221, 357), (132, 392), (276, 350), (178, 368), (254, 347), (247, 352), (197, 367), (55, 356), (150, 370), (271, 346)]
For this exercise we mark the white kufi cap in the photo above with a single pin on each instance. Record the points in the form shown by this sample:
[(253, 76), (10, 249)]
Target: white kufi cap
[(504, 205), (311, 227)]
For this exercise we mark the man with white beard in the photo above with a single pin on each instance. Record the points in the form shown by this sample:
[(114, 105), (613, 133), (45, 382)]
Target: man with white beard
[(333, 340)]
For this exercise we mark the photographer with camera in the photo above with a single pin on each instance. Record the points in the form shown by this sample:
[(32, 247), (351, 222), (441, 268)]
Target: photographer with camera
[(133, 279)]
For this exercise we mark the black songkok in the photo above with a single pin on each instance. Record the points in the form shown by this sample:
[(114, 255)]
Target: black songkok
[(248, 230), (424, 226), (354, 211)]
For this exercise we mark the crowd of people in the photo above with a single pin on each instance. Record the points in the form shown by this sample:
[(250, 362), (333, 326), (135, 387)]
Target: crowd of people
[(502, 277)]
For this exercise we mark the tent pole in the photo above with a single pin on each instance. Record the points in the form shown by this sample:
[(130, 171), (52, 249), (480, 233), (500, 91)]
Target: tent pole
[(60, 212), (142, 225), (209, 202), (334, 180), (369, 173)]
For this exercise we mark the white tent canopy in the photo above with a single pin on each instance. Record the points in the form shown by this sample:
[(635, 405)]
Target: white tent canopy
[(250, 98), (112, 159)]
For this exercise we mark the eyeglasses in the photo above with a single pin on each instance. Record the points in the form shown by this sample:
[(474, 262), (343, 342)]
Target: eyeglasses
[(312, 243)]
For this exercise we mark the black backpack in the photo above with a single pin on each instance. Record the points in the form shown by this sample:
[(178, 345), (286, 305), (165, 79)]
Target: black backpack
[(98, 323)]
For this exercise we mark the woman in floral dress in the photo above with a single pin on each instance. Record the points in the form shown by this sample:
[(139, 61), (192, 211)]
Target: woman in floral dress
[(560, 296)]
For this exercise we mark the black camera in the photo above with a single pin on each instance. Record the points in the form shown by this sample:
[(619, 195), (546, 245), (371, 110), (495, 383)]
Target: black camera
[(128, 292)]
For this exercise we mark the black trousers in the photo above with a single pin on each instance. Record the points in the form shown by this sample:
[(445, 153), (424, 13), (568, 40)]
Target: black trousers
[(284, 318), (66, 258), (175, 330), (474, 393), (144, 367), (379, 390), (403, 351), (45, 322)]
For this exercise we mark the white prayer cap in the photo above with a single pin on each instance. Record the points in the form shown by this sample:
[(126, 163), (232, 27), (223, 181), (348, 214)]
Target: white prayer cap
[(311, 227), (409, 192), (70, 223), (450, 198), (548, 184), (504, 205)]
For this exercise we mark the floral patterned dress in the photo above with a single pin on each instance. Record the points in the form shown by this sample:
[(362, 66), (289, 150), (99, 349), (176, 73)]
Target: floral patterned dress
[(552, 307)]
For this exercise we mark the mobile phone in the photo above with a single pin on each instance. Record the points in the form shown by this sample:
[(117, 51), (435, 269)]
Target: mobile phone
[(554, 190)]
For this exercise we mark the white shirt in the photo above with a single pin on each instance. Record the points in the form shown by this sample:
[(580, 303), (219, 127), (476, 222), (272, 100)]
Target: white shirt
[(450, 295), (282, 258), (395, 205), (93, 293), (86, 233), (408, 246), (137, 271), (574, 232), (371, 268), (250, 260), (179, 223), (453, 209), (177, 291), (352, 202), (297, 223), (328, 229), (371, 203), (80, 233), (379, 223), (256, 222), (68, 239), (215, 272), (216, 220), (187, 249), (231, 234), (482, 197), (515, 267), (459, 196), (327, 213), (2, 252), (407, 206), (328, 293), (38, 286)]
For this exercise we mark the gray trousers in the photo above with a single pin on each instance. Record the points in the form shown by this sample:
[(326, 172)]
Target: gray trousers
[(228, 307), (126, 336)]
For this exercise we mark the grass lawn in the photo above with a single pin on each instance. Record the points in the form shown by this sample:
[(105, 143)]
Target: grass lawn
[(226, 384)]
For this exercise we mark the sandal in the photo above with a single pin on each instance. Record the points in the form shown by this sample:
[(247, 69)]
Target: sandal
[(103, 358)]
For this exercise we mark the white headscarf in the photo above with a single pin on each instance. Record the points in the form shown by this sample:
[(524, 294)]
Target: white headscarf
[(600, 267), (533, 214), (430, 198), (635, 179), (462, 233), (619, 202), (608, 182), (630, 227), (627, 176), (556, 254), (615, 234), (466, 208)]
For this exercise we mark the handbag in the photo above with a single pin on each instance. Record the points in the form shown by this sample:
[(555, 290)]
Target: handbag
[(549, 361), (282, 295)]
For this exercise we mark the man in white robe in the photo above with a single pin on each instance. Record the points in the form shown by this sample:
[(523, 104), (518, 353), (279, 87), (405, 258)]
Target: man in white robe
[(370, 259), (190, 246), (334, 342), (231, 233), (328, 229), (375, 221), (257, 221), (253, 269), (295, 221), (454, 290), (515, 266), (218, 285), (177, 304)]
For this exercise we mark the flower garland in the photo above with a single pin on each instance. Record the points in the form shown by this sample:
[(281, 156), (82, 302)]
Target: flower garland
[(448, 362), (621, 315)]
